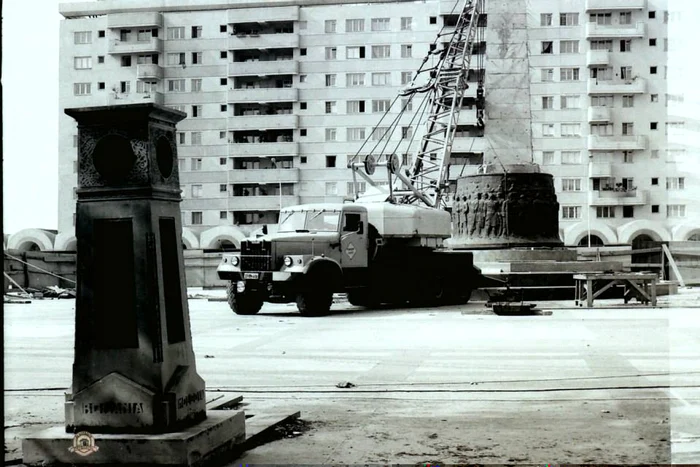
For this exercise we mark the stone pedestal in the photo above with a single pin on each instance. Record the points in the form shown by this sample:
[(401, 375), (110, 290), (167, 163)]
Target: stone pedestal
[(134, 372), (505, 207)]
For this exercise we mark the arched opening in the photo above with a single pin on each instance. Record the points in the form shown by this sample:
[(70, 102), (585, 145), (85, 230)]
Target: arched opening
[(29, 246), (72, 246), (694, 238), (647, 260), (184, 247), (226, 245), (595, 241)]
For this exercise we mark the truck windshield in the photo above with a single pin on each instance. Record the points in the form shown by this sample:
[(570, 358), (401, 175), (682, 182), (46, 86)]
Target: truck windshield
[(316, 221)]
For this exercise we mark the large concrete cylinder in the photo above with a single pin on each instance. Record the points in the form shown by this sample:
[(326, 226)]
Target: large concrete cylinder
[(505, 206)]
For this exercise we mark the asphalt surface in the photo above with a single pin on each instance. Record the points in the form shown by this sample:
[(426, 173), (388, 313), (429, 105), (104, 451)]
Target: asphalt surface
[(455, 384)]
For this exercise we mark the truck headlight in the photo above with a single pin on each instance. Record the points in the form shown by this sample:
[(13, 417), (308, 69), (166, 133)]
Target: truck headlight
[(235, 260), (288, 261), (240, 286)]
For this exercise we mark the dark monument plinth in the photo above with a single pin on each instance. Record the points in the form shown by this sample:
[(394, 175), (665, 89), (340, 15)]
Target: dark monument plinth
[(136, 393)]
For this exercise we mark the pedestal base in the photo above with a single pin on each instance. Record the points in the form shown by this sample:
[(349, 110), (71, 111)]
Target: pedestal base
[(220, 433)]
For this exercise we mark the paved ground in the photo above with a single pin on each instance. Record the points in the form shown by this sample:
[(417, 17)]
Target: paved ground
[(449, 385)]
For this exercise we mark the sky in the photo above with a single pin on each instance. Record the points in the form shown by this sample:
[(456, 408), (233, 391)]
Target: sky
[(30, 114)]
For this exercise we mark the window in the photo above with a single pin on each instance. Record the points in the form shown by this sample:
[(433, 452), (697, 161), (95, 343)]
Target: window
[(355, 52), (654, 208), (379, 132), (331, 134), (147, 59), (625, 17), (545, 19), (330, 161), (654, 98), (330, 26), (146, 86), (176, 33), (196, 85), (601, 129), (569, 74), (406, 159), (568, 47), (196, 191), (223, 54), (406, 23), (331, 53), (406, 132), (601, 19), (571, 157), (222, 160), (124, 35), (652, 70), (330, 80), (196, 163), (302, 105), (355, 79), (626, 72), (675, 183), (547, 47), (652, 14), (302, 160), (381, 105), (432, 20), (381, 79), (355, 107), (380, 24), (571, 101), (628, 100), (331, 188), (652, 42), (406, 51), (380, 51), (196, 217), (354, 25), (675, 210), (101, 33), (653, 125), (570, 129), (356, 134), (302, 78), (601, 73), (223, 28), (628, 211), (100, 85), (196, 58), (406, 77), (627, 157), (176, 59), (302, 51), (628, 128), (547, 102), (176, 85), (568, 19), (196, 111), (625, 45), (547, 129), (654, 180), (223, 107), (406, 104), (605, 212), (82, 63), (571, 212), (570, 184), (100, 59), (196, 32), (302, 132), (181, 140), (361, 187), (196, 137), (144, 35), (126, 60), (602, 45), (330, 107), (223, 215), (81, 89), (82, 37), (547, 157), (547, 74)]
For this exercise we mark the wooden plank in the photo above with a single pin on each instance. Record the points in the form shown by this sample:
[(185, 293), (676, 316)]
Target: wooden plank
[(612, 283), (259, 426), (673, 266), (225, 402)]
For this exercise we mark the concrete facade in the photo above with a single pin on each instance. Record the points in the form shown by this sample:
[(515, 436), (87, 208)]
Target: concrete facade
[(276, 102)]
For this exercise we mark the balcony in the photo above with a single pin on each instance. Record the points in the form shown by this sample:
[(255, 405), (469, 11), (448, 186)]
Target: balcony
[(598, 58), (261, 203), (263, 122), (617, 86), (264, 149), (263, 41), (135, 98), (617, 198), (263, 95), (617, 143), (149, 71), (143, 19), (152, 45), (264, 176), (607, 5), (599, 114), (600, 170), (263, 15), (277, 67), (629, 31)]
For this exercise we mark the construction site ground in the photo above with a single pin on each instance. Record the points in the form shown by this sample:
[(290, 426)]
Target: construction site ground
[(456, 384)]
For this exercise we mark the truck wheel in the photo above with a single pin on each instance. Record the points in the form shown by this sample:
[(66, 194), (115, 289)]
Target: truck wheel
[(242, 303), (315, 301)]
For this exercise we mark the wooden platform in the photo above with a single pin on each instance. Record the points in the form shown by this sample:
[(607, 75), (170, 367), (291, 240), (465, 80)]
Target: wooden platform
[(641, 286)]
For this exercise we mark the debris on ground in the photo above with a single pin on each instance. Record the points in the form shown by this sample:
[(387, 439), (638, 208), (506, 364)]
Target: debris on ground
[(345, 385), (208, 356), (292, 429), (53, 291)]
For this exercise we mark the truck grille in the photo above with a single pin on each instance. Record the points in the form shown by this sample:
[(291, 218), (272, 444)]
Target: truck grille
[(256, 256)]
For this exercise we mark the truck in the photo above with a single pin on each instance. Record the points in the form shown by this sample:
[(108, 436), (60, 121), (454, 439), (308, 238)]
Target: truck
[(387, 245)]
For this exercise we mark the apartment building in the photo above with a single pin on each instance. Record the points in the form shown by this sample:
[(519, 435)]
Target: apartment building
[(279, 98)]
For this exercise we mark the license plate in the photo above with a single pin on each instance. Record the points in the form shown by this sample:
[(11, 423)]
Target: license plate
[(251, 275)]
